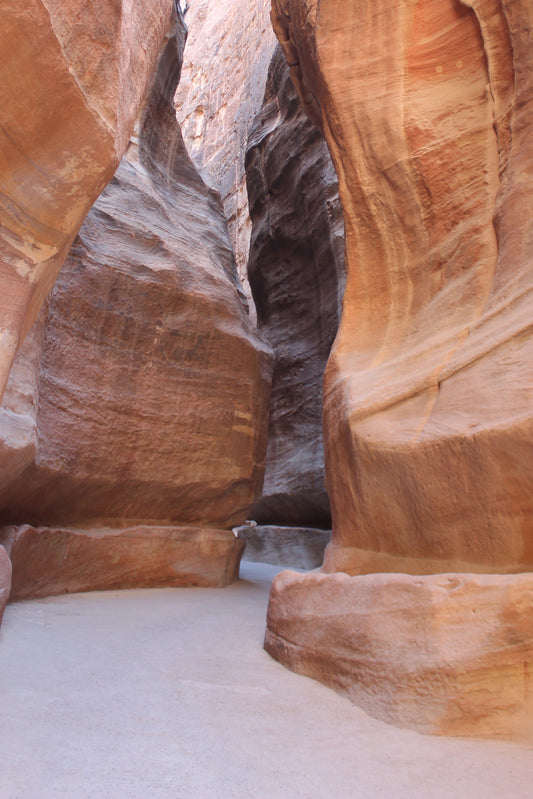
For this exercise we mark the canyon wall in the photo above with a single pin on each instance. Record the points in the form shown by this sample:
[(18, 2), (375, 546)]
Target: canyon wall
[(296, 272), (225, 66), (73, 80), (428, 390), (148, 387), (428, 425)]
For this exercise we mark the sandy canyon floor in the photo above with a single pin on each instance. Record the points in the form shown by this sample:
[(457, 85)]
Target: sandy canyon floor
[(168, 694)]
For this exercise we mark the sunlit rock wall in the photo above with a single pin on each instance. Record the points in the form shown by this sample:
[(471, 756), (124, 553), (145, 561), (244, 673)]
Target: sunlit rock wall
[(225, 66), (427, 109), (428, 393), (73, 79)]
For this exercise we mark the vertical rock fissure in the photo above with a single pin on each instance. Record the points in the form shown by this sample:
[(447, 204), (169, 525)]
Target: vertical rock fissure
[(296, 272)]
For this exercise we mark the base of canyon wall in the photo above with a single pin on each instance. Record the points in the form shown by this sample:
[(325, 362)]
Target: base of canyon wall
[(448, 654), (50, 561)]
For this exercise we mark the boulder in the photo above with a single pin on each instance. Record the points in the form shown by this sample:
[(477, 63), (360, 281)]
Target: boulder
[(297, 547), (49, 561), (450, 654)]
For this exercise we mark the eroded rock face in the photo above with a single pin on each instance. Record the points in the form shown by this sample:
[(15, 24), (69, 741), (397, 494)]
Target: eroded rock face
[(153, 384), (73, 79), (229, 47), (296, 272), (428, 393), (449, 653), (427, 111), (51, 561)]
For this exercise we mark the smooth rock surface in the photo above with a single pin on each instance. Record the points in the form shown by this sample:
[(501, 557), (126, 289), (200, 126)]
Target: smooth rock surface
[(49, 561), (296, 272), (153, 383), (5, 580), (74, 76), (229, 47), (168, 694), (449, 654), (427, 109), (294, 547)]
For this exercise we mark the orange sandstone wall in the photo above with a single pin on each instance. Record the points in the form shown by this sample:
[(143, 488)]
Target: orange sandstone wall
[(427, 110), (73, 79)]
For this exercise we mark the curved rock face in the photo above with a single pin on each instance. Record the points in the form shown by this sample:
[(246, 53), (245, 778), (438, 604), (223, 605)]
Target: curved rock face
[(73, 79), (229, 47), (427, 109), (450, 653), (153, 384), (428, 395), (296, 272)]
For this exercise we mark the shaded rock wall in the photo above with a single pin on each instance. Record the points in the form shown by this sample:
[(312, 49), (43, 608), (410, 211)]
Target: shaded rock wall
[(228, 51), (292, 547), (153, 385), (296, 272), (73, 79)]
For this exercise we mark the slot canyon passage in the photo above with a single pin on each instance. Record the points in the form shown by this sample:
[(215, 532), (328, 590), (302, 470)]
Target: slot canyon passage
[(265, 350)]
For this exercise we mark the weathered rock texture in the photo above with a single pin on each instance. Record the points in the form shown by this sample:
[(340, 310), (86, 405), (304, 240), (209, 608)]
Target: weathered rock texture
[(294, 547), (448, 653), (228, 51), (18, 411), (73, 78), (428, 395), (153, 386), (5, 580), (296, 272), (57, 561)]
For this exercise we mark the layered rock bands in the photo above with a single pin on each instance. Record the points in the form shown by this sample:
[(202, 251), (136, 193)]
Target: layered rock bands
[(427, 109)]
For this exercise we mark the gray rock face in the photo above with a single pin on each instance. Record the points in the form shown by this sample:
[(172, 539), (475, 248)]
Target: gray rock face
[(296, 273), (297, 547)]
